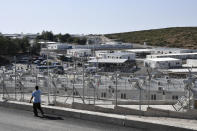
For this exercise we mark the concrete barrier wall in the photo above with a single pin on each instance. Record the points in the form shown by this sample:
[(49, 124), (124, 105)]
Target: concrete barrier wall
[(91, 108), (166, 113), (116, 110), (154, 112), (97, 117), (127, 111)]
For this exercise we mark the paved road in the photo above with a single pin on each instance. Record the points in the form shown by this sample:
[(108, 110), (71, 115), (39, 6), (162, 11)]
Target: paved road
[(17, 120)]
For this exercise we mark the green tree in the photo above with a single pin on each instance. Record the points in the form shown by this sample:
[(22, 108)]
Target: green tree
[(35, 49), (46, 35)]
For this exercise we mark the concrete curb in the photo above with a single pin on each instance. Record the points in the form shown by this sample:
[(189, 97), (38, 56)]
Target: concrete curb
[(151, 112), (96, 116)]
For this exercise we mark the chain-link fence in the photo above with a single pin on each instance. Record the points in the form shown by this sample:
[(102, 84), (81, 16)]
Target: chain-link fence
[(76, 85)]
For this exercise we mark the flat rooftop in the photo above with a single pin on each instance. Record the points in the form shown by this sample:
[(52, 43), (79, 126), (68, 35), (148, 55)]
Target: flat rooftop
[(162, 59), (119, 54), (107, 61), (174, 54), (139, 50)]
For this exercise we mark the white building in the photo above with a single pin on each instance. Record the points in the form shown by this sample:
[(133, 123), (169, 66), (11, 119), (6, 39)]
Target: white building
[(79, 52), (165, 50), (140, 52), (58, 46), (190, 63), (177, 56), (162, 63), (120, 55), (101, 53)]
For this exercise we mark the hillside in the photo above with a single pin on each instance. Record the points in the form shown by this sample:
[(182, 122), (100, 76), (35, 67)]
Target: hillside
[(185, 37)]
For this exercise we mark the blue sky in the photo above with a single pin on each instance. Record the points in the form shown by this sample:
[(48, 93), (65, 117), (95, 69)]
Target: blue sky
[(94, 16)]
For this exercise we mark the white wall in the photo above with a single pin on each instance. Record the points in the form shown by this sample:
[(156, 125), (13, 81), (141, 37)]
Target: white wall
[(79, 52), (163, 64), (129, 56), (101, 54), (177, 56), (133, 94), (192, 62), (57, 46)]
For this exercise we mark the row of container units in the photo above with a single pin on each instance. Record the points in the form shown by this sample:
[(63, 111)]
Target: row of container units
[(105, 46), (120, 55), (104, 93), (182, 56), (165, 50), (59, 46)]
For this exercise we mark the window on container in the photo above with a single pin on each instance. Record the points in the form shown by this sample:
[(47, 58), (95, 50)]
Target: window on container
[(103, 94), (76, 93), (153, 97), (123, 95), (175, 97)]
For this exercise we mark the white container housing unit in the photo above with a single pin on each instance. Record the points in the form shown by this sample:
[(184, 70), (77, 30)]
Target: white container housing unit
[(161, 50), (140, 53), (101, 53), (120, 55), (190, 63), (79, 52), (162, 63), (59, 46)]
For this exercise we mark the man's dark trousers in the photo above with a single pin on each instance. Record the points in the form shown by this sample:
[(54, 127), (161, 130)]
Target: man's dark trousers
[(37, 106)]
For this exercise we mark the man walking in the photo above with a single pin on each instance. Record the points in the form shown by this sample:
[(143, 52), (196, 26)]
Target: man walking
[(37, 101)]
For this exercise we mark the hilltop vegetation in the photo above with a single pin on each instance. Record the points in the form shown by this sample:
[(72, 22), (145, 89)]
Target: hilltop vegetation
[(185, 37), (64, 38)]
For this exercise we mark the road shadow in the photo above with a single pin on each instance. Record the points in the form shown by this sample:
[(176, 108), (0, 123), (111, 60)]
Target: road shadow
[(49, 117)]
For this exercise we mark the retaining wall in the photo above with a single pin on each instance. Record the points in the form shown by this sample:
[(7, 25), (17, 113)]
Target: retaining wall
[(97, 117)]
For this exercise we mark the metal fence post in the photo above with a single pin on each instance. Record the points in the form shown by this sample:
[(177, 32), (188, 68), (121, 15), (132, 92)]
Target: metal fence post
[(15, 77), (116, 89)]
